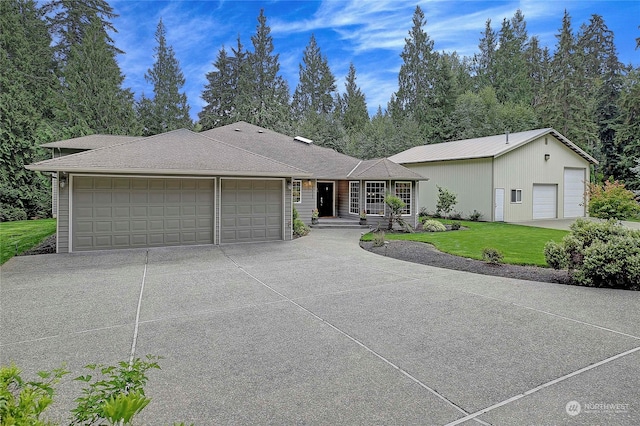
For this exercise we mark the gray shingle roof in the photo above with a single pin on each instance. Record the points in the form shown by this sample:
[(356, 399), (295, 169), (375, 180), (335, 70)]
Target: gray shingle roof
[(490, 146), (383, 169), (178, 152), (323, 163), (90, 142)]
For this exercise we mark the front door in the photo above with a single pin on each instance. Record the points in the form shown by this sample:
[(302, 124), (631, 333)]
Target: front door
[(499, 206), (325, 199)]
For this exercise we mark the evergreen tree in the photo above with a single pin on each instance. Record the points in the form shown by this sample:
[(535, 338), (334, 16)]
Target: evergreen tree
[(627, 135), (512, 82), (353, 105), (263, 94), (27, 98), (316, 89), (69, 20), (168, 110), (417, 80), (94, 100), (221, 91), (602, 71), (484, 61), (537, 61), (566, 105)]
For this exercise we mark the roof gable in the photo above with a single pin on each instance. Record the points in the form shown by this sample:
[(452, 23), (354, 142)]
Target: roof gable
[(383, 168), (486, 147)]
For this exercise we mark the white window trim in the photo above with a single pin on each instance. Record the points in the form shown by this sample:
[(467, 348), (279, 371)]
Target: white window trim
[(410, 194), (351, 191), (293, 184), (366, 201), (518, 191)]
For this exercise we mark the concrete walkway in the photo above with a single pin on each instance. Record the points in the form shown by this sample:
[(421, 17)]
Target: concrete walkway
[(318, 331)]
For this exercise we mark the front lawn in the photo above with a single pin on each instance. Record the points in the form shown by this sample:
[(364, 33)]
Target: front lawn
[(520, 245), (19, 236)]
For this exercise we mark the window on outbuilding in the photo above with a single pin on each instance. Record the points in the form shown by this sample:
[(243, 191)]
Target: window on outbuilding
[(375, 197), (354, 197), (296, 191), (403, 191), (516, 195)]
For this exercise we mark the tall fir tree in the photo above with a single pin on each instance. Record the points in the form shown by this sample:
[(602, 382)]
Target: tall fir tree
[(353, 104), (627, 135), (484, 61), (69, 19), (512, 82), (263, 94), (168, 110), (417, 80), (221, 91), (28, 89), (316, 90), (603, 79), (94, 99)]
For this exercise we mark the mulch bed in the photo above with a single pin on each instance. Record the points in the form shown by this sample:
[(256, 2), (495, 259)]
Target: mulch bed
[(427, 254), (46, 247)]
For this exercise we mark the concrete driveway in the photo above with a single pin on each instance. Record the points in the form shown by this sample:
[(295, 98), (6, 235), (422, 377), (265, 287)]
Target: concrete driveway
[(318, 331)]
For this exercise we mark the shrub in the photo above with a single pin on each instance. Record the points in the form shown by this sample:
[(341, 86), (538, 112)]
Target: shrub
[(423, 212), (555, 255), (433, 226), (446, 201), (455, 226), (299, 228), (455, 216), (598, 254), (612, 201), (492, 255), (378, 239), (396, 206), (475, 216)]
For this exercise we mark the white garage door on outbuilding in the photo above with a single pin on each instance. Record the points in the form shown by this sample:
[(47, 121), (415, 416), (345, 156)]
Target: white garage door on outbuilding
[(251, 210), (545, 201), (574, 191), (126, 212)]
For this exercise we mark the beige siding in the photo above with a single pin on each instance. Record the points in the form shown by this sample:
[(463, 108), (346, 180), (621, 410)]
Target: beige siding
[(470, 180), (307, 200), (526, 166), (342, 199), (62, 233)]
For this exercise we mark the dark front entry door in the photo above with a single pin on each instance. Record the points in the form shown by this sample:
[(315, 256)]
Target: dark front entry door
[(325, 199)]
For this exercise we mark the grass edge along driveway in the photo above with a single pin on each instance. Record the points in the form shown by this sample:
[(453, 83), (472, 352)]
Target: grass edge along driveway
[(519, 244), (19, 236)]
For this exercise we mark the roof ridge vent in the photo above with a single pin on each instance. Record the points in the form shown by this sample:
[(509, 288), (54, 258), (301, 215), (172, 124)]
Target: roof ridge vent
[(237, 130), (301, 139)]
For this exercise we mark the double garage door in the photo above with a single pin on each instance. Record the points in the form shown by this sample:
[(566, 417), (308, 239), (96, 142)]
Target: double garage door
[(113, 212)]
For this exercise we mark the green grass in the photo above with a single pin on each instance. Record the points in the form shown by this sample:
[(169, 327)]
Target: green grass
[(18, 237), (520, 245)]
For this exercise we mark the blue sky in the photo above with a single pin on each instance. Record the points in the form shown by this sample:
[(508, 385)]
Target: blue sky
[(371, 34)]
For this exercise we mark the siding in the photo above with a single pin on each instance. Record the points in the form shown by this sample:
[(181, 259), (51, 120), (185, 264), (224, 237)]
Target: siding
[(62, 232), (470, 180), (307, 200), (526, 166), (342, 199)]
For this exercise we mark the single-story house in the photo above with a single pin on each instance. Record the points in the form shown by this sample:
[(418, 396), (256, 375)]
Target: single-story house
[(237, 183), (537, 174)]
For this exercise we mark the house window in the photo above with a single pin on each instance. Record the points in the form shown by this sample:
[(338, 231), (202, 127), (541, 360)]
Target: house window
[(375, 198), (354, 197), (296, 191), (516, 195), (403, 191)]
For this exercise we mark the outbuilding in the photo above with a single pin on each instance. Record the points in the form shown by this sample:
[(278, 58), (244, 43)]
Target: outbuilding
[(537, 174)]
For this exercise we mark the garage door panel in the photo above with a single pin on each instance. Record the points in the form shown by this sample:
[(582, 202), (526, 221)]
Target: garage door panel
[(574, 189), (545, 201), (249, 208), (141, 212)]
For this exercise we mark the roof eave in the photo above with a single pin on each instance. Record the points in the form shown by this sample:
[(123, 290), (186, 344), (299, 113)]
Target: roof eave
[(179, 172)]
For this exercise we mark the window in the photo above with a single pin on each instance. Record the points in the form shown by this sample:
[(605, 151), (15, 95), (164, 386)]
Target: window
[(375, 198), (296, 191), (516, 195), (354, 197), (403, 191)]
